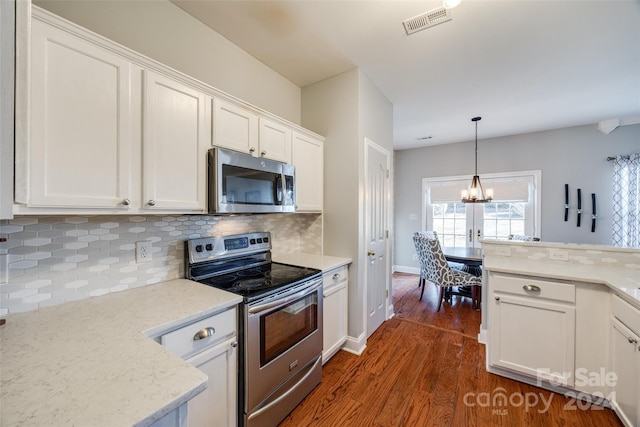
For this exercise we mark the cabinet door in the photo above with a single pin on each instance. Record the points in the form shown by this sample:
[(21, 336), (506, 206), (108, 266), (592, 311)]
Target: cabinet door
[(175, 143), (626, 366), (334, 319), (217, 405), (275, 141), (307, 157), (81, 146), (234, 127), (532, 336)]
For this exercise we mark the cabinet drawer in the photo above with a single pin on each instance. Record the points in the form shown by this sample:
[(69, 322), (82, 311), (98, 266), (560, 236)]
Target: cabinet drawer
[(335, 276), (519, 285), (183, 341), (626, 314)]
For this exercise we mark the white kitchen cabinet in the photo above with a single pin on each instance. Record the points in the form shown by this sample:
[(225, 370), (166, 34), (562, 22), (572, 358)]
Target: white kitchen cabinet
[(215, 354), (234, 127), (625, 361), (307, 155), (176, 138), (532, 327), (335, 306), (176, 418), (274, 140), (81, 145)]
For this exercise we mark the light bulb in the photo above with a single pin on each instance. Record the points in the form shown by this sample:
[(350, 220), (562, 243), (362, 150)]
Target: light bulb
[(450, 4)]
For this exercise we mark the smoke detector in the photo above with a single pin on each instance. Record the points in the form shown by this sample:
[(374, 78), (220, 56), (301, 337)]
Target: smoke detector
[(426, 20)]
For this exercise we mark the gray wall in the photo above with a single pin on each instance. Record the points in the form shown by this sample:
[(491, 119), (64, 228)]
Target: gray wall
[(346, 109), (164, 32), (575, 156)]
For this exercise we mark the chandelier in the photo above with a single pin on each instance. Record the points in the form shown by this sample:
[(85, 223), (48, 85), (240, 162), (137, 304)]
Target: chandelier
[(475, 193)]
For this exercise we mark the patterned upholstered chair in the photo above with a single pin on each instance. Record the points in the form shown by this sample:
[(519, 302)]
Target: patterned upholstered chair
[(434, 268), (522, 238)]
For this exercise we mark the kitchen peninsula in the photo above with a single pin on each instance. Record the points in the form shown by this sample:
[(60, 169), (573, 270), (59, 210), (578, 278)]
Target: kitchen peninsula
[(565, 317)]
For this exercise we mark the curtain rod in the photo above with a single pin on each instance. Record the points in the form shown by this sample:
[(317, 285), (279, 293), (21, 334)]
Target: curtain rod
[(622, 157)]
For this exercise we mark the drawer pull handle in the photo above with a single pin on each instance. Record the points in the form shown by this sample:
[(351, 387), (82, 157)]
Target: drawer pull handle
[(632, 340), (336, 276), (204, 333), (531, 288)]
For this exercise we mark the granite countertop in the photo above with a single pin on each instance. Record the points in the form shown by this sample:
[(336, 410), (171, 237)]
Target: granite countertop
[(94, 362), (320, 262), (623, 281)]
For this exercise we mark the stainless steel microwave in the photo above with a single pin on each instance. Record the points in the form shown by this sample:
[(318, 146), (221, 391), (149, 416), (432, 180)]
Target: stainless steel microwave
[(240, 183)]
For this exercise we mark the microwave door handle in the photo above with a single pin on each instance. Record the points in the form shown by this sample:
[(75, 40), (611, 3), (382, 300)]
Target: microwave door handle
[(283, 181)]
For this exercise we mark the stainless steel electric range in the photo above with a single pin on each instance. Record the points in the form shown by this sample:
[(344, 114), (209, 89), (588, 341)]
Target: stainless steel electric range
[(280, 324)]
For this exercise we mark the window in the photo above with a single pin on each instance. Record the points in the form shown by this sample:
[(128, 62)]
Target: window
[(626, 200), (514, 209)]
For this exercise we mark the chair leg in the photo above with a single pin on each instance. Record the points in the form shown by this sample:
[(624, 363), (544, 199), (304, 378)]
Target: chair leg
[(442, 291), (422, 284)]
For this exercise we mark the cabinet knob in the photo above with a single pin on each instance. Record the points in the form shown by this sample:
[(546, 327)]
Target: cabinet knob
[(497, 298), (336, 276), (252, 149), (371, 253), (263, 153), (126, 202), (234, 344), (632, 340), (151, 202), (204, 333)]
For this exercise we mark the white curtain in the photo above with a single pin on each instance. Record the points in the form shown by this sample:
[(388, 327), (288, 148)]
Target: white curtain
[(626, 200)]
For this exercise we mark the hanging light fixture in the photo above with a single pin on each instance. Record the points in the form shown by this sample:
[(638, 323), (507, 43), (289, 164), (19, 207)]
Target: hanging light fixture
[(475, 193)]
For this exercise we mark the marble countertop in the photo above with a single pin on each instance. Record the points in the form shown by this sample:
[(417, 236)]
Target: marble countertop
[(624, 281), (321, 262), (94, 362)]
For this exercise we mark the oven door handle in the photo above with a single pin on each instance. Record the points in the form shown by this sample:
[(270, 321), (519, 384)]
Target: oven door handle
[(287, 393), (284, 301)]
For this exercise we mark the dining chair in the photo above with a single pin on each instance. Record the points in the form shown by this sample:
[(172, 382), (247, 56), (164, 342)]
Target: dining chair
[(434, 268), (523, 238)]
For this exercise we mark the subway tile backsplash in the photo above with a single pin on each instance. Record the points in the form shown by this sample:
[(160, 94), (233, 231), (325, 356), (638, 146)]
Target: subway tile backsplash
[(54, 259)]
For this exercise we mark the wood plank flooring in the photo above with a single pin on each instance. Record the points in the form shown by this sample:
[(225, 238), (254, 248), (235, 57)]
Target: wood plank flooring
[(424, 368)]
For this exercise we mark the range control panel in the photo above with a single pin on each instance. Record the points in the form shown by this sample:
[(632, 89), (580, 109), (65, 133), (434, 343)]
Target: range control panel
[(220, 247)]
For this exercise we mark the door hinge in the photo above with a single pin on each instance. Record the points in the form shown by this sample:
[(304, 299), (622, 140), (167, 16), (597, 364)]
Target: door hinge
[(387, 173), (387, 233), (387, 293)]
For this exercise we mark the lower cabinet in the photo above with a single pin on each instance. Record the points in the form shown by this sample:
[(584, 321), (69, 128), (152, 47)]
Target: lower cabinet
[(335, 306), (625, 361), (532, 327), (216, 406), (176, 418), (209, 344)]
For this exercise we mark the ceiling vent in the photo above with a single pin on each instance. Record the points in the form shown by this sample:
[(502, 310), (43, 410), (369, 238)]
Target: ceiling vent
[(426, 20)]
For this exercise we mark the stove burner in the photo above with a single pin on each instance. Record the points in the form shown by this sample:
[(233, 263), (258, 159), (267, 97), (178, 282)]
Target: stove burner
[(251, 284), (255, 271)]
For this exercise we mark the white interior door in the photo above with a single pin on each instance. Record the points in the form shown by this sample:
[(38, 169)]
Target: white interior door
[(377, 234)]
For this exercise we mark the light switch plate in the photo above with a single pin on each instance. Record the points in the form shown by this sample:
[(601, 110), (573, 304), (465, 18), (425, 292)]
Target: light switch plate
[(558, 254), (4, 268)]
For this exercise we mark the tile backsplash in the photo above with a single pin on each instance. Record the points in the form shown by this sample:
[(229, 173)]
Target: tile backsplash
[(54, 259)]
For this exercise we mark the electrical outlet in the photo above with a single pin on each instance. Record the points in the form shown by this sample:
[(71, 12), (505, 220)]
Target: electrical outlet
[(143, 251), (558, 254), (413, 217)]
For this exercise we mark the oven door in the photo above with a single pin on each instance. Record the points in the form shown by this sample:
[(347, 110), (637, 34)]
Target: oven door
[(283, 351), (240, 183)]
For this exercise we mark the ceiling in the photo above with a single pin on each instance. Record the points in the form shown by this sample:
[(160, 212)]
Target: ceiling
[(523, 66)]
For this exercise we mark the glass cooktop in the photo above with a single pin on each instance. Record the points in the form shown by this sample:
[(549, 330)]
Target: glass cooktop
[(256, 282)]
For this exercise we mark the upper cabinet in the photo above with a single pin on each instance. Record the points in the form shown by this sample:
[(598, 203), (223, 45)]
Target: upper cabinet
[(234, 127), (307, 157), (176, 138), (238, 128), (81, 134), (103, 129)]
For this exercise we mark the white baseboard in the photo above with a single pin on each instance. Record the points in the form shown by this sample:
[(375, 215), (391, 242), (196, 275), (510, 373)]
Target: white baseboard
[(406, 269), (355, 345), (390, 312)]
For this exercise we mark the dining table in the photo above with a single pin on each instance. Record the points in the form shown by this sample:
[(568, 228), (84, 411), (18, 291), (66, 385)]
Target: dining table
[(472, 260)]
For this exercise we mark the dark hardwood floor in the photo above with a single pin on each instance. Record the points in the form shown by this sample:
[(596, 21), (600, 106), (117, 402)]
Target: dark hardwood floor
[(426, 368)]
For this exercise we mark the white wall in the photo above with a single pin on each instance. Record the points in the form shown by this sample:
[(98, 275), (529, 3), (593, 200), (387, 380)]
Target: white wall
[(7, 27), (164, 32), (576, 156), (346, 109)]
